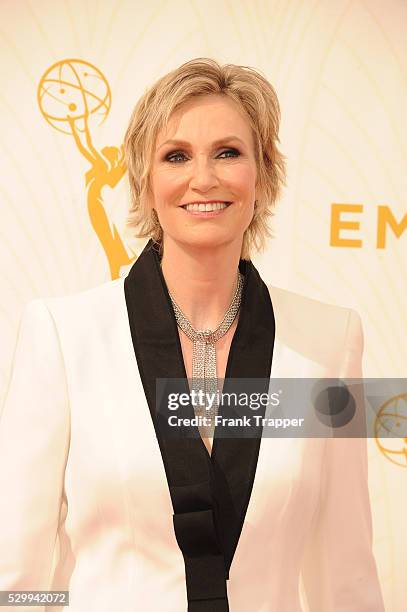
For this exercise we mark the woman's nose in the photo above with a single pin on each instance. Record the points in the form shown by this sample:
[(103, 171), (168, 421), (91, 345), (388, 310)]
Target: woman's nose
[(203, 175)]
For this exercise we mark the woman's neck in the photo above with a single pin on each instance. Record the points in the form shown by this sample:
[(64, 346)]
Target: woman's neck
[(201, 281)]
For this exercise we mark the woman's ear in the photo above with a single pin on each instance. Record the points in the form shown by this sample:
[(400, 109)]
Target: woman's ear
[(257, 192), (148, 202)]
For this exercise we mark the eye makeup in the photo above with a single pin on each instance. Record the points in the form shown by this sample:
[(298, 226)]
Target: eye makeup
[(171, 155)]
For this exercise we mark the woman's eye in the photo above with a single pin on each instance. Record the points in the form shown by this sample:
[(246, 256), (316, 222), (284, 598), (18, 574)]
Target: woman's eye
[(234, 152), (174, 157)]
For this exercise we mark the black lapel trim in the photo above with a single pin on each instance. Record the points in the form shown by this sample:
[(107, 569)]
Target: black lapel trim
[(210, 494)]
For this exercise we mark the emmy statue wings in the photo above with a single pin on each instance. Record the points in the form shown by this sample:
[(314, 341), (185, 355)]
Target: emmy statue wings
[(85, 503)]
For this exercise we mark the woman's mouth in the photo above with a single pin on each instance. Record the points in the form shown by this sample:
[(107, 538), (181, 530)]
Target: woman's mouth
[(207, 210)]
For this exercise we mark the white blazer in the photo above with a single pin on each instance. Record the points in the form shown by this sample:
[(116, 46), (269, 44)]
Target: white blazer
[(85, 504)]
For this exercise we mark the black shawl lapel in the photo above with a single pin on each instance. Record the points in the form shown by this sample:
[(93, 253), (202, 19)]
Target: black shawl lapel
[(210, 494)]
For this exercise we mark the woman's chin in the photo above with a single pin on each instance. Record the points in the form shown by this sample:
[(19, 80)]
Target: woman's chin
[(208, 240)]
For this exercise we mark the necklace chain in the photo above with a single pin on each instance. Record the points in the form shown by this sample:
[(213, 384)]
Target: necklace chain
[(204, 374)]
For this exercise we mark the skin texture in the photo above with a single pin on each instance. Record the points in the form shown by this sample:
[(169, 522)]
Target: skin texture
[(201, 256)]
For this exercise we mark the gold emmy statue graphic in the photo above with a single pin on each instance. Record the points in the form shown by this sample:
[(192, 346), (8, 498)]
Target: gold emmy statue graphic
[(391, 429), (73, 96)]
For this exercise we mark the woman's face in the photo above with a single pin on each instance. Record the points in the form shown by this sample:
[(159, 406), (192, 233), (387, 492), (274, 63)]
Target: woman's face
[(206, 154)]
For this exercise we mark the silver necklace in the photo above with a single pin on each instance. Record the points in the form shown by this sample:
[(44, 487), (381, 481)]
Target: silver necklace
[(204, 375)]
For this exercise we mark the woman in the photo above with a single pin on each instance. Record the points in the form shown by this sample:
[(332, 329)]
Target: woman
[(98, 499)]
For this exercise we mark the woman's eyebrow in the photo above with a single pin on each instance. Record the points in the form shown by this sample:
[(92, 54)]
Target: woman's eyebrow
[(184, 143)]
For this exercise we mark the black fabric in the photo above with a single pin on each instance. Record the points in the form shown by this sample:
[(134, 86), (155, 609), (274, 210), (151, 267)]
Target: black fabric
[(210, 493)]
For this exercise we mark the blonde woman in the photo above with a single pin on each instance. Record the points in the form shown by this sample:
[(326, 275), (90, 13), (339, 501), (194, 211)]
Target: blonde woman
[(96, 500)]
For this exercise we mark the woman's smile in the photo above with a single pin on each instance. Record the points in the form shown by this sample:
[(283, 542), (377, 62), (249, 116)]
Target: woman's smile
[(206, 209)]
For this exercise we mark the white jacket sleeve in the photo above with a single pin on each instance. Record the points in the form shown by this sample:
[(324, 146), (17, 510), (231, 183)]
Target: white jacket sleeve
[(34, 441), (339, 571)]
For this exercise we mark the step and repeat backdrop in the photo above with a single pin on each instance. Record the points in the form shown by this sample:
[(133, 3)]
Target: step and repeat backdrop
[(340, 71)]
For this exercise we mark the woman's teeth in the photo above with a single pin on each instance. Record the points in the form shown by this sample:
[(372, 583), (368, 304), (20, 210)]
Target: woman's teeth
[(206, 207)]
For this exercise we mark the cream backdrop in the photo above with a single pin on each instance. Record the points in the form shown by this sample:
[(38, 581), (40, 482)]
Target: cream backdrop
[(340, 71)]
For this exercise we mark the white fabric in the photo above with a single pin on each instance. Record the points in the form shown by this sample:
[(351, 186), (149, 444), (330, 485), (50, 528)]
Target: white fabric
[(84, 500)]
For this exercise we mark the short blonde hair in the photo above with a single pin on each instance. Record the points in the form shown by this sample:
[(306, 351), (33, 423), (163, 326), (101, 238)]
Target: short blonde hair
[(202, 76)]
